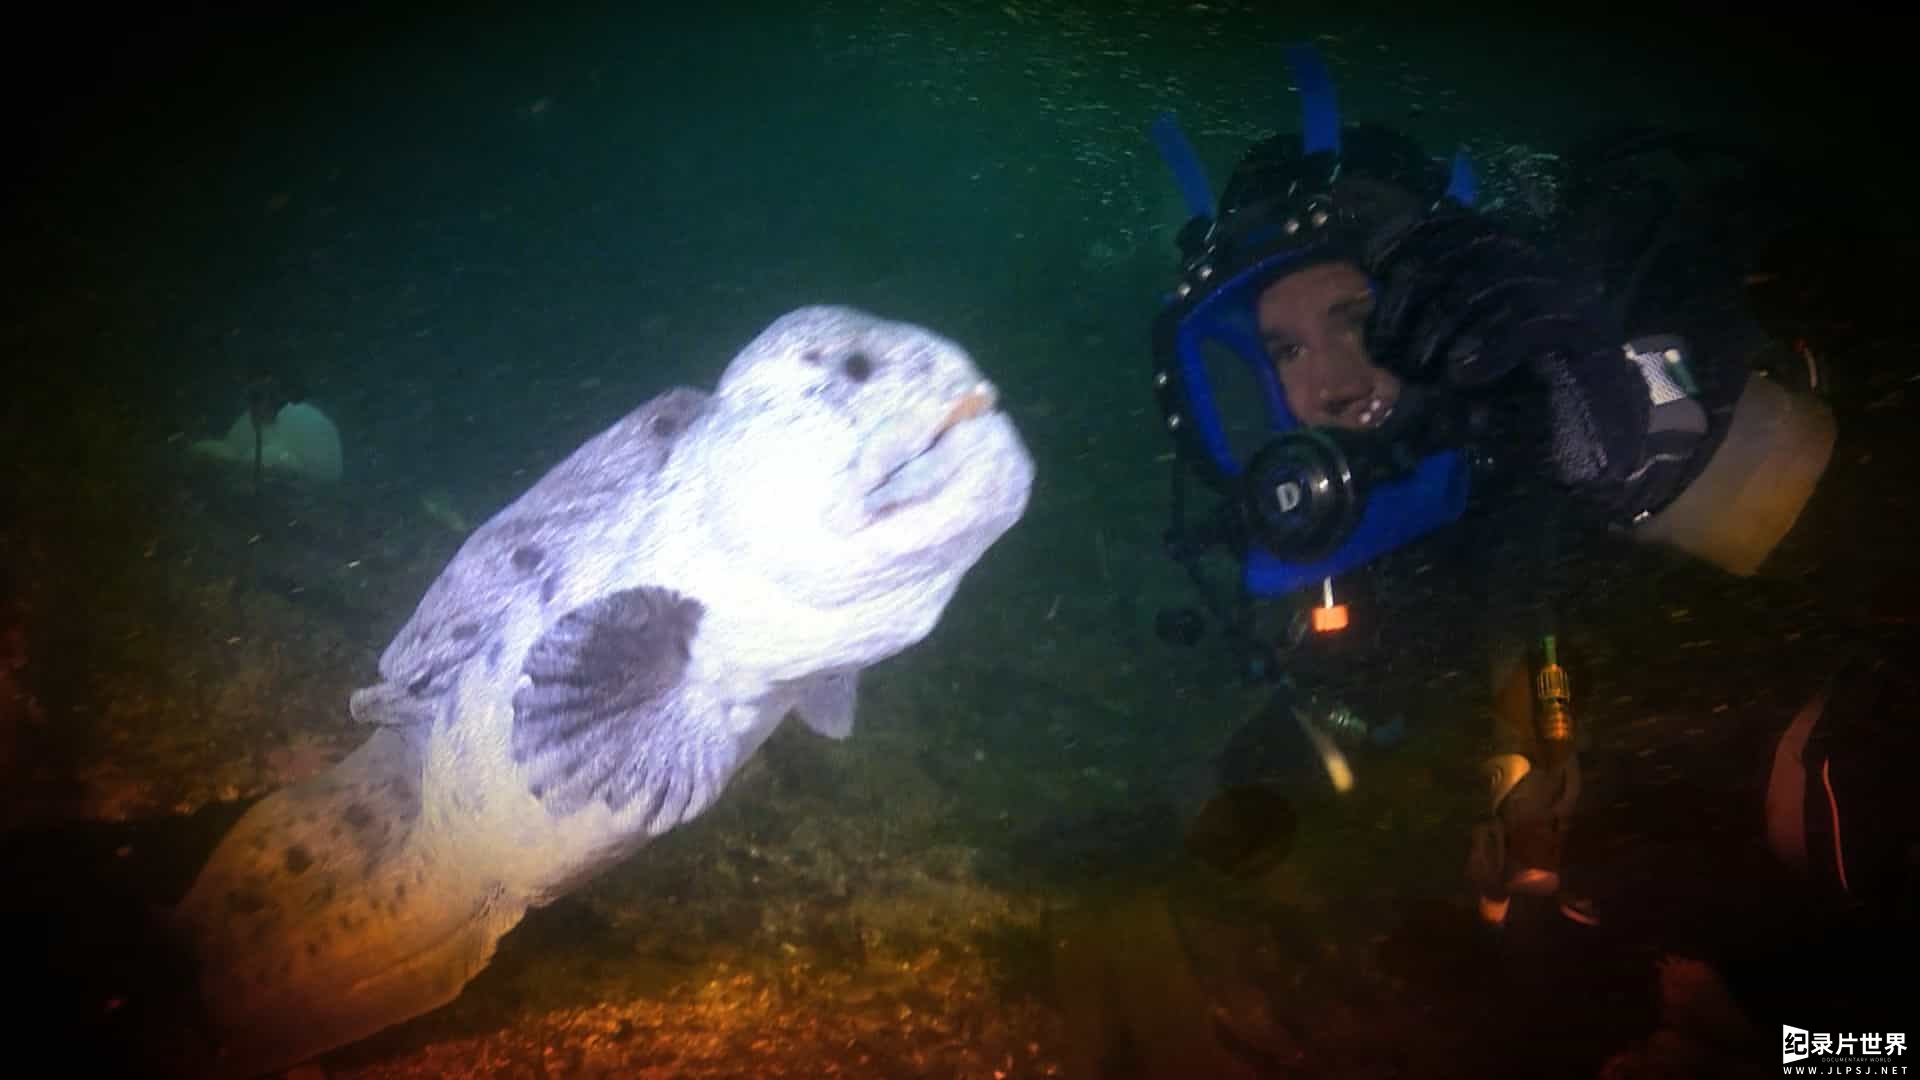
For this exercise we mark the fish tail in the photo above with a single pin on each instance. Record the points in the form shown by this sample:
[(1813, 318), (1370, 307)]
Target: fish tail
[(321, 918)]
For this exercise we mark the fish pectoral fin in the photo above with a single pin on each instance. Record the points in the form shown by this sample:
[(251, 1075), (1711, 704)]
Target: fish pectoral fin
[(827, 701), (605, 712), (319, 920)]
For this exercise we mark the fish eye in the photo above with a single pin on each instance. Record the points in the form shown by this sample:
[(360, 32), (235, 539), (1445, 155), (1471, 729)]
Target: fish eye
[(858, 366)]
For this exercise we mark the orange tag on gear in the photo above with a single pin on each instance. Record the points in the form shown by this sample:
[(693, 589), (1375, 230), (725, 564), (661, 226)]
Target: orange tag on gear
[(1494, 912), (1331, 618)]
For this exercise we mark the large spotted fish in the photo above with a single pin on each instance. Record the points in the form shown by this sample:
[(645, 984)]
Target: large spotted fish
[(594, 664)]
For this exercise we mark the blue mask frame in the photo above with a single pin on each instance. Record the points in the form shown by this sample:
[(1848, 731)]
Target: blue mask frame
[(1397, 511)]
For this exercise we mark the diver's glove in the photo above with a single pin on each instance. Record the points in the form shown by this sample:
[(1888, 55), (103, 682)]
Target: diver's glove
[(1462, 299), (1518, 848), (1466, 303)]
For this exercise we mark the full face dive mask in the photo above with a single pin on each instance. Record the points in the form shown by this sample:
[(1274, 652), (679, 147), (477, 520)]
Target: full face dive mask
[(1309, 503)]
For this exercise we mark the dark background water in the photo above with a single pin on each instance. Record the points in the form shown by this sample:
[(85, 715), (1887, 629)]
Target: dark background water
[(446, 223)]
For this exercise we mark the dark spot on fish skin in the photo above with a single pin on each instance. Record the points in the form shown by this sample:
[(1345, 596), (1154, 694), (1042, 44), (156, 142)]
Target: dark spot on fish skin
[(527, 559), (465, 631), (243, 903), (321, 897), (399, 892), (397, 787), (812, 356), (298, 860), (335, 831), (419, 685), (494, 654), (346, 922), (666, 427), (858, 366), (313, 949), (359, 816), (549, 589)]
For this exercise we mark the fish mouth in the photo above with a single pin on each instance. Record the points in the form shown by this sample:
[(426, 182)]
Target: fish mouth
[(927, 459)]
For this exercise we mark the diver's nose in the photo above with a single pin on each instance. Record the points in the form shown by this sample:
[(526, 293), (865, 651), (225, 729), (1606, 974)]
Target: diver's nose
[(1345, 384), (1343, 400)]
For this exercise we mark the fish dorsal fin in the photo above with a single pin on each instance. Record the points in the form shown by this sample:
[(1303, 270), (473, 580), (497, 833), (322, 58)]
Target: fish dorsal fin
[(605, 714), (528, 553)]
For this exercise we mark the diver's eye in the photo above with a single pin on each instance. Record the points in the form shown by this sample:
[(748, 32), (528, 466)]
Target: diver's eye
[(1281, 352)]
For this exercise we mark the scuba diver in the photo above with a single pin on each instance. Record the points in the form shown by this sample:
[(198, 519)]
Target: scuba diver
[(1391, 348)]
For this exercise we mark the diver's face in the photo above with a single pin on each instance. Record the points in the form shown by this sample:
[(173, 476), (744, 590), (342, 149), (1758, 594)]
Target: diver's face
[(1313, 324)]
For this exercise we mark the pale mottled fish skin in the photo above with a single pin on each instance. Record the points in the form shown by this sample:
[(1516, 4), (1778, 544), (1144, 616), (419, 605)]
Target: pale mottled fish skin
[(596, 662)]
